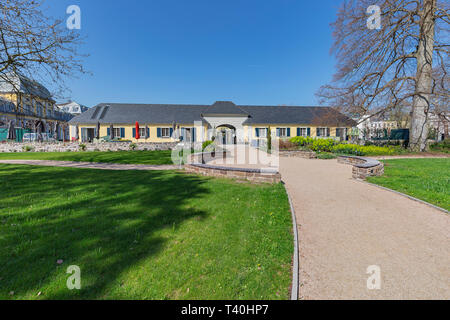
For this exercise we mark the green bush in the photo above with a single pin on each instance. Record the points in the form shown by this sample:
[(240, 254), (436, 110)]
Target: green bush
[(443, 146), (325, 156), (358, 150), (82, 147), (133, 146), (27, 148), (302, 141), (322, 145), (206, 143), (352, 149)]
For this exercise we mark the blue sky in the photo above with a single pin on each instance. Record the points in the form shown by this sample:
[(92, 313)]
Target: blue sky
[(196, 52)]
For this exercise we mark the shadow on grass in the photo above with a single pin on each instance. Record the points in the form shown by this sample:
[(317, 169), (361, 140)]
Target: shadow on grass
[(158, 157), (104, 221)]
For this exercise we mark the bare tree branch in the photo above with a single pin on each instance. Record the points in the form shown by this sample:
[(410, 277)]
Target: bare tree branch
[(37, 46), (380, 70)]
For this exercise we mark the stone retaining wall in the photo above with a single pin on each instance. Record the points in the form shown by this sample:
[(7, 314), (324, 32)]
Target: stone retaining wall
[(298, 154), (75, 146), (252, 175), (363, 167), (205, 157), (198, 165)]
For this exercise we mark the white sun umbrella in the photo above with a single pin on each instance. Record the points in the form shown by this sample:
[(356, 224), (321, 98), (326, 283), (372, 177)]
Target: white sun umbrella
[(174, 128)]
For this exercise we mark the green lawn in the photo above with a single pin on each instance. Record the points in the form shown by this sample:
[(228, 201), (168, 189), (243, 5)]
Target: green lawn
[(141, 235), (126, 157), (425, 179)]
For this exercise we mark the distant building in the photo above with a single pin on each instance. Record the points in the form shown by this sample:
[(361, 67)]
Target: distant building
[(439, 123), (371, 127), (72, 107), (28, 105)]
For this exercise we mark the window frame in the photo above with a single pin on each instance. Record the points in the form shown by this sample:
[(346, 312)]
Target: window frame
[(163, 136), (324, 133), (142, 133), (263, 132), (306, 132), (117, 134), (281, 135)]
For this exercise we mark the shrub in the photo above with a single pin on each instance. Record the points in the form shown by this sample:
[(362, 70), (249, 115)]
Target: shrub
[(358, 150), (206, 143), (27, 148), (353, 149), (325, 156), (322, 145), (443, 146), (286, 144), (302, 141), (133, 146), (82, 147), (378, 151)]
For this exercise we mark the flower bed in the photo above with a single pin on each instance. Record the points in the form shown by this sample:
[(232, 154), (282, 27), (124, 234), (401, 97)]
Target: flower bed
[(329, 145)]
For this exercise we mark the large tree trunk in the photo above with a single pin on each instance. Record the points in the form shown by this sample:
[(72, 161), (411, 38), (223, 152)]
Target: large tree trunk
[(421, 101)]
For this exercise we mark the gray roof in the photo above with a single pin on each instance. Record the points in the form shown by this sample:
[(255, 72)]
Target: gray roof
[(187, 114), (145, 113), (12, 82), (296, 115), (224, 108)]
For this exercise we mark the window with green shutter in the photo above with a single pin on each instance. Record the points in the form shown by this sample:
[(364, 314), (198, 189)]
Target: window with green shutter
[(283, 132), (303, 132)]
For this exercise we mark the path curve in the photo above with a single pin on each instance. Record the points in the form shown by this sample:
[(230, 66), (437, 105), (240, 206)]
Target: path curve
[(90, 165), (345, 226)]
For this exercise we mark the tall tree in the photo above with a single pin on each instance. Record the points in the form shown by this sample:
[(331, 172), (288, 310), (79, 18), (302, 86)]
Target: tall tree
[(35, 45), (380, 69)]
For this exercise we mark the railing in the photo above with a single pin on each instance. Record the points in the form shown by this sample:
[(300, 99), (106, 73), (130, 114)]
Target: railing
[(56, 115), (7, 108)]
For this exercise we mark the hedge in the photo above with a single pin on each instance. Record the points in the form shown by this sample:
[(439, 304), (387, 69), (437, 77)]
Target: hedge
[(358, 150)]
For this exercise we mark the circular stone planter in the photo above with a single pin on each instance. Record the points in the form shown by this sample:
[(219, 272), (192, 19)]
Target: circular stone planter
[(363, 167), (199, 165)]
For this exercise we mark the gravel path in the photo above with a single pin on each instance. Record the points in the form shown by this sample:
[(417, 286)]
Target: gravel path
[(90, 165), (345, 226)]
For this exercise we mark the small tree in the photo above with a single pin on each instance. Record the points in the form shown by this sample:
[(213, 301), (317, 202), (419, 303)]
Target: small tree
[(269, 139)]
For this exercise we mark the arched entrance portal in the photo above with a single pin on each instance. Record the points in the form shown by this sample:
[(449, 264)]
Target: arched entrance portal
[(226, 134)]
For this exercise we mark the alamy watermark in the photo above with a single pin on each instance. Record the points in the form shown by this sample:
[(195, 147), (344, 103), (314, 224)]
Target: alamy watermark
[(374, 280), (74, 281), (74, 20), (374, 20), (227, 146)]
